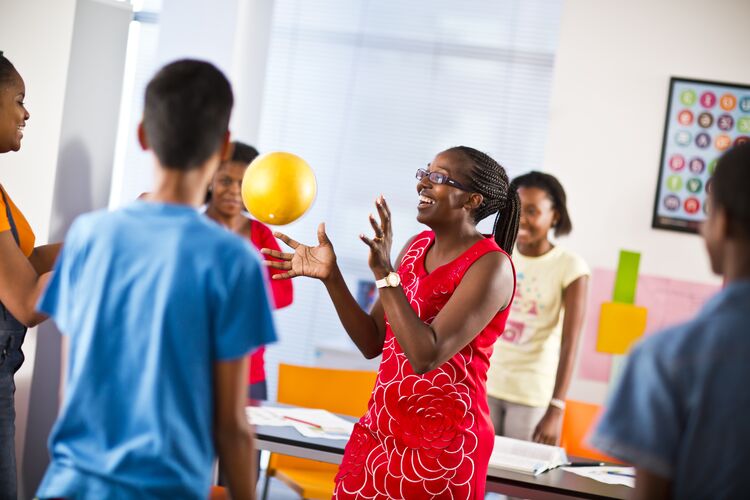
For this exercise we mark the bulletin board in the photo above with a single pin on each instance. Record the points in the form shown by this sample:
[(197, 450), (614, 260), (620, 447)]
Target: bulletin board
[(704, 119)]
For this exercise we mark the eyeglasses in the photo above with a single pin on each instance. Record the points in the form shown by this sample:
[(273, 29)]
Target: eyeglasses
[(439, 178)]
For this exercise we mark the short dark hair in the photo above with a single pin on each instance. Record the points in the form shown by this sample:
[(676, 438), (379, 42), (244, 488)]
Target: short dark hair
[(186, 113), (730, 187), (488, 178), (550, 185), (7, 70), (243, 153)]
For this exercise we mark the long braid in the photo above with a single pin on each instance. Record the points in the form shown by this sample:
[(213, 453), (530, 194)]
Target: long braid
[(489, 179)]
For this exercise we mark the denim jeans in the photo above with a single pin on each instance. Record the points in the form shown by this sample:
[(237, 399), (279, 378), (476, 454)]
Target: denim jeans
[(11, 337)]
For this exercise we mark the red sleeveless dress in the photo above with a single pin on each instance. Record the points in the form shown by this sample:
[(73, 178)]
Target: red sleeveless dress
[(426, 436)]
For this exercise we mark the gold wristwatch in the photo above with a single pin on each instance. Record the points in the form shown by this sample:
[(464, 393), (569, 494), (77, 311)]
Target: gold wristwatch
[(391, 280)]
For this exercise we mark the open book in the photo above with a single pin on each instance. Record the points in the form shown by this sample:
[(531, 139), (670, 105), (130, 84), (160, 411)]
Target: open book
[(525, 457)]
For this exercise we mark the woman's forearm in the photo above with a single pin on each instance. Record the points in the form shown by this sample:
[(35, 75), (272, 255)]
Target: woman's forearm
[(361, 327)]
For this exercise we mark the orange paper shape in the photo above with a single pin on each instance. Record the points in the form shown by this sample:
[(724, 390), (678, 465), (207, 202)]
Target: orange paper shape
[(619, 326)]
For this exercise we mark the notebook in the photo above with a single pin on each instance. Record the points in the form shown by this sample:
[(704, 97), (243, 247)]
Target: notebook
[(525, 457)]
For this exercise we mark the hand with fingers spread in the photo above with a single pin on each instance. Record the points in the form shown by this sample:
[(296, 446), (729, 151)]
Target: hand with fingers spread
[(380, 244), (314, 262)]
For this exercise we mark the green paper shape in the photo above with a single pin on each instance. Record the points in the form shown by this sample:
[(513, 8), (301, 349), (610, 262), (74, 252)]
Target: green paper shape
[(626, 281)]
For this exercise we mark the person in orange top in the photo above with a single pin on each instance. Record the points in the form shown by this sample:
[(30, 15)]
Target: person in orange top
[(24, 271), (224, 205)]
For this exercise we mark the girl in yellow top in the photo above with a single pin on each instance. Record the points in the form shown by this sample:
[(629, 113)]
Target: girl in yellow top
[(23, 274), (533, 360)]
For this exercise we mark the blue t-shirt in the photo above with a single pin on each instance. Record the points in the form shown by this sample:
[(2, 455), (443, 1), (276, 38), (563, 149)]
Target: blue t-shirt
[(151, 296), (681, 409)]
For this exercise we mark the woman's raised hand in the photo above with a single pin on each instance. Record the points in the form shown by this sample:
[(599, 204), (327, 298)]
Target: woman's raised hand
[(380, 245), (313, 262)]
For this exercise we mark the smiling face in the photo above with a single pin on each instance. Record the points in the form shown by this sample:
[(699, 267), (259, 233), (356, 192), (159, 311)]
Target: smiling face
[(442, 203), (226, 188), (537, 216), (13, 114)]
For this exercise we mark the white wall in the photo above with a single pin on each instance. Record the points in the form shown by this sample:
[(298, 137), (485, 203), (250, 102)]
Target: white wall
[(234, 35), (607, 115), (36, 36), (83, 177)]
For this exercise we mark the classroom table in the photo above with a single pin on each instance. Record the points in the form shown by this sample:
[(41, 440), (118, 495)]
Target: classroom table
[(554, 484)]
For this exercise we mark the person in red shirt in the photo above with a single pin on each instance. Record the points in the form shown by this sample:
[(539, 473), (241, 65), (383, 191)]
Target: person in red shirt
[(441, 307), (224, 205)]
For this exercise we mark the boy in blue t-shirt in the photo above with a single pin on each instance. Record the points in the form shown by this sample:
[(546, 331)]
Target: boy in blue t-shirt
[(160, 308), (679, 413)]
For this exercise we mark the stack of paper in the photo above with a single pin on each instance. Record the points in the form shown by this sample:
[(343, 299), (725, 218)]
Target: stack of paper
[(606, 474), (524, 456), (309, 422)]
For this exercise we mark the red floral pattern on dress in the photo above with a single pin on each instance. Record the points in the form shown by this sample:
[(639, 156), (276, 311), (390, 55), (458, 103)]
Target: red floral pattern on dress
[(425, 436)]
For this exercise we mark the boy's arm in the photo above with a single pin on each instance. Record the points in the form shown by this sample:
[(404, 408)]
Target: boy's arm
[(232, 433)]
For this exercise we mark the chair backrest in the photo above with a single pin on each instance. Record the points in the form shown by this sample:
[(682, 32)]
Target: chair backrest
[(578, 420), (340, 391)]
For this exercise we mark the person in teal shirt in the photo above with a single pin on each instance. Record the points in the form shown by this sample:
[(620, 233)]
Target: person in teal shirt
[(160, 307), (679, 412)]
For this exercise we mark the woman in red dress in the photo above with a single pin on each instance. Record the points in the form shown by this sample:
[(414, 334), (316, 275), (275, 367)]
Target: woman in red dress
[(427, 431)]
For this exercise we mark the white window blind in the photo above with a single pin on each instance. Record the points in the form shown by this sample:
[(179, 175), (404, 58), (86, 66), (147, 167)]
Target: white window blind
[(368, 91), (133, 171)]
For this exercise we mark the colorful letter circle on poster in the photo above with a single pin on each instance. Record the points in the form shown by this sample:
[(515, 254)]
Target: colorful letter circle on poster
[(692, 205), (728, 102), (708, 99), (705, 119), (685, 117)]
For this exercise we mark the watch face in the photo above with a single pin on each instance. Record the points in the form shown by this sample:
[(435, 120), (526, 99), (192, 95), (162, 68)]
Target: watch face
[(393, 279)]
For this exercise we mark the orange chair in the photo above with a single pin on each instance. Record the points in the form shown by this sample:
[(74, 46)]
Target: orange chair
[(578, 420), (340, 391), (218, 493)]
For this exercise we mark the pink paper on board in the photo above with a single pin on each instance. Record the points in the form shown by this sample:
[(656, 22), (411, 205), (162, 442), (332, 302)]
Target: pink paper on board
[(668, 302)]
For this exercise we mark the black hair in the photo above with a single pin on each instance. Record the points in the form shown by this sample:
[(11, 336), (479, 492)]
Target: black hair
[(550, 185), (186, 113), (730, 188), (241, 153), (488, 178), (7, 70)]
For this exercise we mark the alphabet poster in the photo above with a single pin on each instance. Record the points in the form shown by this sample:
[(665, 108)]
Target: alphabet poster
[(704, 119)]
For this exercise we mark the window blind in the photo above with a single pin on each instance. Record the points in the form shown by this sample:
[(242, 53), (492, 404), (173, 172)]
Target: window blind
[(369, 91)]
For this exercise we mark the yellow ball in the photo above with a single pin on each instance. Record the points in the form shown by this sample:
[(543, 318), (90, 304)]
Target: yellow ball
[(278, 188)]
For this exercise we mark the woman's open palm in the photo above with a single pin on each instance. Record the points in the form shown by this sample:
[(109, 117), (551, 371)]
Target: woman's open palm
[(313, 262)]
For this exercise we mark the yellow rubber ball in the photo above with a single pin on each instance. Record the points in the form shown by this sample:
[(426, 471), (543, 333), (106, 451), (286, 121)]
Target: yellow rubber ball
[(278, 188)]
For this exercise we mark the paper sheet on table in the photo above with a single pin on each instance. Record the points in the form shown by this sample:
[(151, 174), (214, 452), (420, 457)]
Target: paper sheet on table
[(606, 474), (259, 415), (308, 422), (313, 432)]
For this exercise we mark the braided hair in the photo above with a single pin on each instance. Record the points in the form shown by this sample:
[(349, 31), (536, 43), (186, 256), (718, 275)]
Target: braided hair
[(488, 178), (7, 70)]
